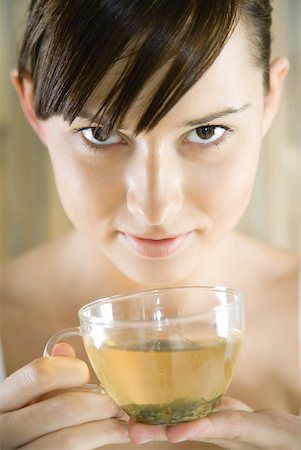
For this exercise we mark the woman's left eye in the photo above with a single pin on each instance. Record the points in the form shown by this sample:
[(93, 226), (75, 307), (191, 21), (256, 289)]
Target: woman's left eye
[(206, 134), (96, 137)]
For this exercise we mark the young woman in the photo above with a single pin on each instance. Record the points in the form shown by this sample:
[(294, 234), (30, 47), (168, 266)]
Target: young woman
[(153, 114)]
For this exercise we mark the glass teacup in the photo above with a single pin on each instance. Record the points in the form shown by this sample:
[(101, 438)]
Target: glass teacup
[(166, 355)]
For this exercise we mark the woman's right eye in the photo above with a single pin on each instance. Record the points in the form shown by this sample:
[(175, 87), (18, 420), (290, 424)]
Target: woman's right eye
[(95, 137)]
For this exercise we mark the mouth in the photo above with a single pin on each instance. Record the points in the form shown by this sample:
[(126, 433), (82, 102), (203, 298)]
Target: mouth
[(155, 247)]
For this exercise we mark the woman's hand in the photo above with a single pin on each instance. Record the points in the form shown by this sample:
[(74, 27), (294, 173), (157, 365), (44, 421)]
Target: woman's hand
[(36, 412), (232, 426)]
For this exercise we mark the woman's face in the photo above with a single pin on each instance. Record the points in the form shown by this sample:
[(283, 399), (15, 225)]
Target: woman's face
[(157, 205)]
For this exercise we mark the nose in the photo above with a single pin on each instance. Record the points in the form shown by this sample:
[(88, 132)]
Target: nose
[(154, 185)]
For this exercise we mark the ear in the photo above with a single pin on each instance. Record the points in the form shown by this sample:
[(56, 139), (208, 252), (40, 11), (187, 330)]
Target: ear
[(25, 93), (278, 71)]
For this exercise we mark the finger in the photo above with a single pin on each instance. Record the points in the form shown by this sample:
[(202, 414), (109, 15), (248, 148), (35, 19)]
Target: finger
[(141, 433), (63, 411), (229, 403), (258, 429), (63, 349), (39, 377), (230, 445), (83, 437)]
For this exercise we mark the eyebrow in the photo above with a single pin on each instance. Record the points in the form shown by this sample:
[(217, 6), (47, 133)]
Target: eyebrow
[(213, 116), (190, 123)]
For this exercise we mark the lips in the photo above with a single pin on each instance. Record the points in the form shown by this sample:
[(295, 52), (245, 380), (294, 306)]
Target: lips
[(155, 247)]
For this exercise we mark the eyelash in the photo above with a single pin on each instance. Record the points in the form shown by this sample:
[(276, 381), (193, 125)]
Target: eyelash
[(90, 146), (201, 147)]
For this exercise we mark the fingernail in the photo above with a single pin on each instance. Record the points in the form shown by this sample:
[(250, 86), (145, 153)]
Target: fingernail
[(144, 441)]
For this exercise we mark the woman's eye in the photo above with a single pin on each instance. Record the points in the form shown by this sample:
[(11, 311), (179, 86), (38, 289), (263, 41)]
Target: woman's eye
[(96, 137), (206, 134)]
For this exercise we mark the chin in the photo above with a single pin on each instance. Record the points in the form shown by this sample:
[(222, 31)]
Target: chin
[(157, 274)]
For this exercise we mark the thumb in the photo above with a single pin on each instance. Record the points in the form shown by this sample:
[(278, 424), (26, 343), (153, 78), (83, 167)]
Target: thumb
[(63, 349), (230, 403)]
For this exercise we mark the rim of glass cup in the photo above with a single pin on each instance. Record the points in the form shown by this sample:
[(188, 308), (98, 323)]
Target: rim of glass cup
[(237, 298)]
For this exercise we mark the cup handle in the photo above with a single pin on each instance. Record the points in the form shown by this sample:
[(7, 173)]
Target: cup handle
[(58, 337)]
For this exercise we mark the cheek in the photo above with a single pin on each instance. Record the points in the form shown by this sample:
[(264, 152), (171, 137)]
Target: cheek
[(87, 191), (223, 190)]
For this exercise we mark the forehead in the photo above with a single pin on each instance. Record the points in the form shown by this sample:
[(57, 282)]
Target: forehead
[(232, 75)]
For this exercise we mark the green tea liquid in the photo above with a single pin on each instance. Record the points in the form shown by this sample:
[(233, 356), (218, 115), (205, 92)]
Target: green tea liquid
[(166, 381)]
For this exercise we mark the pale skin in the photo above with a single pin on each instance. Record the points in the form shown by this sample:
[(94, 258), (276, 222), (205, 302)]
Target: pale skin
[(161, 183)]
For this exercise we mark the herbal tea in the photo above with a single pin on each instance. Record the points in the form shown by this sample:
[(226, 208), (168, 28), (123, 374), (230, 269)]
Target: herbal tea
[(166, 381)]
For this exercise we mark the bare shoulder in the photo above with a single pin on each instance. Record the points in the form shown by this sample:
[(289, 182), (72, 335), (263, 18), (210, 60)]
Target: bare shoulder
[(268, 278), (271, 265), (33, 287), (28, 275)]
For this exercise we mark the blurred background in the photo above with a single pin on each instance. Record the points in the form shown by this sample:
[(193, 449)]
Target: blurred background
[(30, 210)]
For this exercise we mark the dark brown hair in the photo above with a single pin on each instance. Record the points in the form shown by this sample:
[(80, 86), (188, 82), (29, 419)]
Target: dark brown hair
[(69, 47)]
